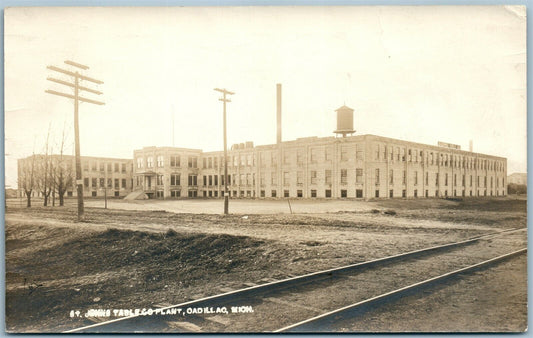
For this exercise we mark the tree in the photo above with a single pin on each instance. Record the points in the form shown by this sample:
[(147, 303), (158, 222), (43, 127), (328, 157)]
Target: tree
[(26, 178), (44, 173), (62, 172)]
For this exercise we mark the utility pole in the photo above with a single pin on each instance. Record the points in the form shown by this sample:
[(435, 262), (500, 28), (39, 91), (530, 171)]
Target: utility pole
[(226, 193), (77, 99)]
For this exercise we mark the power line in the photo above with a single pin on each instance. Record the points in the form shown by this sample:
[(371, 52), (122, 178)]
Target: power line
[(77, 98), (226, 193)]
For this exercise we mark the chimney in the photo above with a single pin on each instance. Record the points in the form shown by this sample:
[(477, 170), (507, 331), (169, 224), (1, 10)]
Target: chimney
[(278, 101), (471, 146)]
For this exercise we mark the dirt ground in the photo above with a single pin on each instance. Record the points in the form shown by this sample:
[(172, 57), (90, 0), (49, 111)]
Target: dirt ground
[(153, 252)]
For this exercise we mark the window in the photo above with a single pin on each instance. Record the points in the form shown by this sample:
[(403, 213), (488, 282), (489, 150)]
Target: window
[(109, 166), (160, 161), (328, 193), (313, 193), (404, 193), (285, 193), (93, 166), (463, 181), (273, 179), (415, 193), (344, 153), (300, 178), (455, 179), (328, 176), (327, 154), (416, 178), (344, 176), (262, 179), (273, 193), (299, 193), (344, 193), (175, 193), (391, 193), (110, 183), (437, 179), (446, 179), (358, 175), (286, 157), (391, 176), (262, 194), (248, 181), (376, 154), (299, 157), (150, 162), (216, 180), (215, 164), (359, 193), (193, 162), (376, 193), (117, 165), (313, 155), (117, 182), (123, 167), (210, 180), (93, 182), (377, 176), (175, 161), (102, 183), (359, 152), (102, 166), (313, 176), (210, 162), (204, 163), (175, 179), (193, 181), (93, 194), (123, 183), (85, 166), (286, 179), (273, 159)]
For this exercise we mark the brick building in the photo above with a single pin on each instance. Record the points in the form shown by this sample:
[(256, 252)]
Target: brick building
[(96, 172), (363, 166)]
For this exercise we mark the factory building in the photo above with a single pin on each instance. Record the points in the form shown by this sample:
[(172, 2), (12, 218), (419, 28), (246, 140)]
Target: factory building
[(101, 175), (364, 166)]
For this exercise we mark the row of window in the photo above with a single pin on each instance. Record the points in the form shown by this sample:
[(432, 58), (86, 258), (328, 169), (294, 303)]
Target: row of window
[(173, 160), (100, 183), (400, 154), (446, 179), (104, 166), (249, 179)]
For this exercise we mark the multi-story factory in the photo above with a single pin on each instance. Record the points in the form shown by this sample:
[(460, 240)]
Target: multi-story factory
[(362, 166), (101, 176)]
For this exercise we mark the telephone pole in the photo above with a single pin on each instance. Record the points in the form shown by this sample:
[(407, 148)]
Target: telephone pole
[(226, 193), (76, 77)]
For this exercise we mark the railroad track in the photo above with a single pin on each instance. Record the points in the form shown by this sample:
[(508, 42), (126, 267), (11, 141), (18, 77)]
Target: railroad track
[(306, 302)]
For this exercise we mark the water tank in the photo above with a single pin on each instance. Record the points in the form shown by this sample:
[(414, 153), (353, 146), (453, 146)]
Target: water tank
[(344, 121)]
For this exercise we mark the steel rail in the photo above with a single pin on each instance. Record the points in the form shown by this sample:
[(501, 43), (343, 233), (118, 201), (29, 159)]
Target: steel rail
[(302, 278), (396, 293)]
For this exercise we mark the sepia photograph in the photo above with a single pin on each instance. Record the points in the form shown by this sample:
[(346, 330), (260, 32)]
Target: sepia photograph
[(278, 169)]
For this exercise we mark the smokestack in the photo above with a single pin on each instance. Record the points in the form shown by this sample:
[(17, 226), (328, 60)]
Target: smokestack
[(471, 146), (278, 101)]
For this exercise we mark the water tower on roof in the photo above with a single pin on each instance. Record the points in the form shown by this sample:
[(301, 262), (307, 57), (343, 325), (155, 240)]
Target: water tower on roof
[(344, 121)]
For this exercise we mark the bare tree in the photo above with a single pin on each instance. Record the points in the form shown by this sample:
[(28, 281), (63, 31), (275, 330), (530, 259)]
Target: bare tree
[(27, 178), (44, 176), (62, 173)]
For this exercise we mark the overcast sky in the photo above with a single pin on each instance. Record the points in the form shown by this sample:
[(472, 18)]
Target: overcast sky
[(423, 74)]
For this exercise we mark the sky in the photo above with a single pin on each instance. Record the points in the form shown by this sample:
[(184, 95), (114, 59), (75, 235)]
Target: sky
[(423, 74)]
